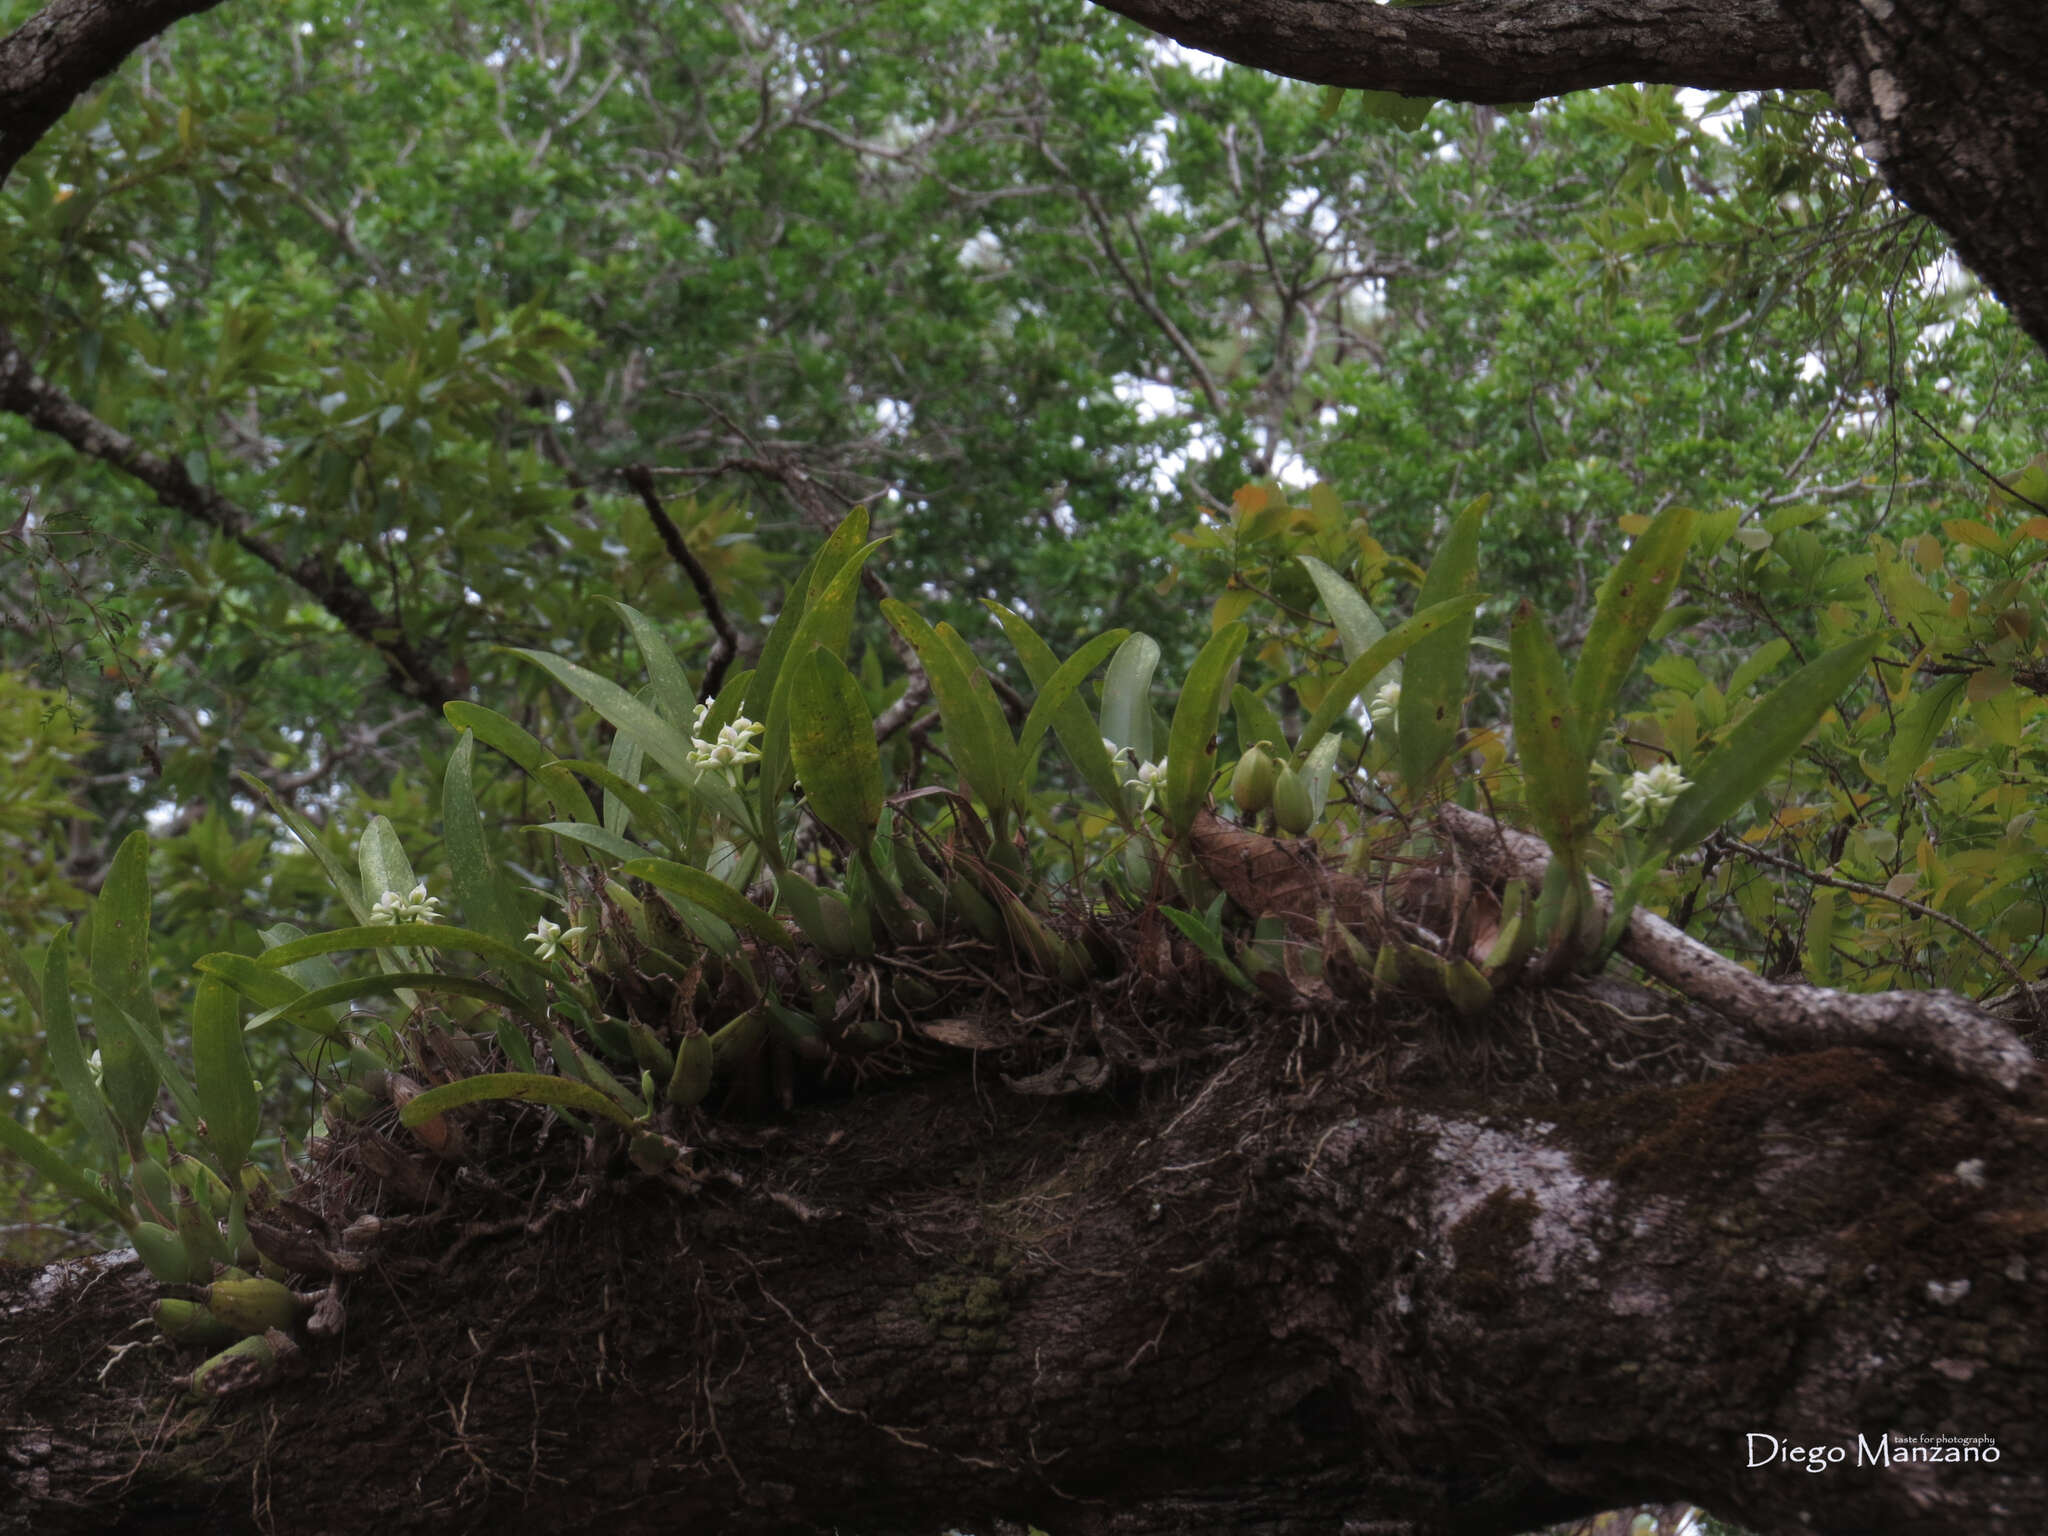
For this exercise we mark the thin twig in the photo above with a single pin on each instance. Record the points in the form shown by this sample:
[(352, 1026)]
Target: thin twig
[(1745, 850), (727, 645), (1970, 460)]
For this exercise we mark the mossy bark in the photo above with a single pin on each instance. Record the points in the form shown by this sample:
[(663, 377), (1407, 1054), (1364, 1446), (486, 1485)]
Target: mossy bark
[(1413, 1277)]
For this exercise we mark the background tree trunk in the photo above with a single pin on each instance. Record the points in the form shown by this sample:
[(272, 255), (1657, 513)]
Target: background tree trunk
[(1358, 1276)]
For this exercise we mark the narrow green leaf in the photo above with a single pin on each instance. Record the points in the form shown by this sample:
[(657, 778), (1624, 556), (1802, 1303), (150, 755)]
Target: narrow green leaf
[(978, 757), (1752, 753), (480, 893), (1919, 728), (119, 967), (517, 1087), (712, 895), (394, 983), (1319, 771), (66, 1048), (984, 696), (524, 749), (673, 696), (623, 763), (1632, 598), (609, 844), (664, 743), (781, 636), (63, 1174), (837, 549), (832, 746), (436, 936), (220, 1067), (1549, 737), (339, 875), (1191, 740), (827, 622), (649, 812), (1071, 722), (381, 858), (1818, 958), (114, 1025), (1256, 722), (1429, 622), (1127, 696), (1358, 627), (1057, 692), (1433, 680)]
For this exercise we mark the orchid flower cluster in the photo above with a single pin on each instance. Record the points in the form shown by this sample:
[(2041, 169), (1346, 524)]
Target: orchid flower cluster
[(1649, 793), (415, 907), (731, 752)]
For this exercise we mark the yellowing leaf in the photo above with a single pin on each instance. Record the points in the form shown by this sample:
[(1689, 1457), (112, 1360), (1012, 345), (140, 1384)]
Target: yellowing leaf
[(1988, 683), (1967, 530), (1229, 608)]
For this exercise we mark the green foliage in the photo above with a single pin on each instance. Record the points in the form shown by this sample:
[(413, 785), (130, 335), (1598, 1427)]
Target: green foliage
[(410, 289)]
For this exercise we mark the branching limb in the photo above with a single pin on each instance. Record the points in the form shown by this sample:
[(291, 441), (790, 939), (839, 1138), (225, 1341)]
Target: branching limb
[(48, 61), (43, 406), (727, 645), (1879, 893), (1498, 50), (1935, 1026)]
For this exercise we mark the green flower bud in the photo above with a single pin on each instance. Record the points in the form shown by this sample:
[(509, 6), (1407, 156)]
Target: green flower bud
[(1251, 787), (1292, 808)]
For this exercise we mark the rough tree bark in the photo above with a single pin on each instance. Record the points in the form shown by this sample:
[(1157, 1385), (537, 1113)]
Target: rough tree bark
[(52, 58), (1362, 1276)]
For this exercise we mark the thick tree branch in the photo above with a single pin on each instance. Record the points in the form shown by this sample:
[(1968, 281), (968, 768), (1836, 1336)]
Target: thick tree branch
[(1952, 102), (727, 645), (51, 58), (43, 406), (1940, 1027), (1497, 50), (1211, 1306)]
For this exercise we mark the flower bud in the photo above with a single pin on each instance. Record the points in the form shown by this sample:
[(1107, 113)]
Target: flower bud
[(1251, 787), (1292, 808)]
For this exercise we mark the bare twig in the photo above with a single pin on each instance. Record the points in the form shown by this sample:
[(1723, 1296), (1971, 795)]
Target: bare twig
[(1969, 459), (727, 645)]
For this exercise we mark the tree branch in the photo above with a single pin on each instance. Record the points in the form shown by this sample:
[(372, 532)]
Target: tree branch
[(1935, 1026), (727, 645), (43, 406), (1497, 50), (50, 59)]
